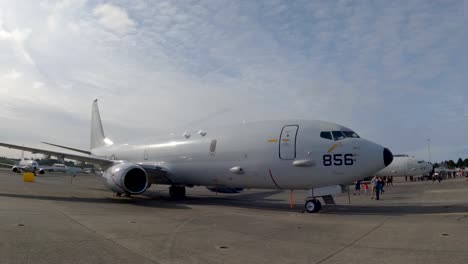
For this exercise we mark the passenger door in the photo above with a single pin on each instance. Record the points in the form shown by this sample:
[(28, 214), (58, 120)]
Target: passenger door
[(287, 144)]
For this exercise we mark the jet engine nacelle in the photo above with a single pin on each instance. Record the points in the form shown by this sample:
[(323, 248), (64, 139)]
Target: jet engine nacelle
[(126, 178), (15, 169), (41, 171)]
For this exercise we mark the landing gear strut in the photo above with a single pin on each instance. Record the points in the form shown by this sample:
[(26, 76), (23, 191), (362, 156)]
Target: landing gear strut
[(177, 192), (313, 205)]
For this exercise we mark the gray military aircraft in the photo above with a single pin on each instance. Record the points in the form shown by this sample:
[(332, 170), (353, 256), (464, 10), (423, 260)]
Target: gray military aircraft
[(287, 154), (404, 165)]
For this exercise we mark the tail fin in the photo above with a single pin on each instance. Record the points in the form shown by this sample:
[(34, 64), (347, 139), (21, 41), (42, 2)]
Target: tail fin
[(98, 139)]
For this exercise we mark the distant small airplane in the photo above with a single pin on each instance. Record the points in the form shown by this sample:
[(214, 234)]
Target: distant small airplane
[(60, 167), (56, 167), (406, 166), (284, 154), (25, 165)]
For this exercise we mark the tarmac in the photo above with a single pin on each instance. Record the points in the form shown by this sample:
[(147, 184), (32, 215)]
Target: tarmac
[(64, 219)]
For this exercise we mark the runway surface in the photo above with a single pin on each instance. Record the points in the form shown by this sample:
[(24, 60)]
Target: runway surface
[(64, 219)]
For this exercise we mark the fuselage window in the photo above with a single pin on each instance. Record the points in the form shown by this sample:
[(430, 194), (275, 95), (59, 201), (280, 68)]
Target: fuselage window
[(338, 135), (350, 134), (326, 135)]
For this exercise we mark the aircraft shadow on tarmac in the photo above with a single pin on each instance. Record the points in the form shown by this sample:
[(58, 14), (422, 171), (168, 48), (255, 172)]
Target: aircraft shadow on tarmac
[(258, 201), (162, 200), (104, 200), (386, 209), (395, 209)]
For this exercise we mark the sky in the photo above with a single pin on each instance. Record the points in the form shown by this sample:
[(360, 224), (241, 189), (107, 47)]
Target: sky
[(393, 71)]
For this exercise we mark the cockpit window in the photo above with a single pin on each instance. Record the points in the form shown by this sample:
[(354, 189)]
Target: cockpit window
[(326, 135), (338, 135), (350, 134)]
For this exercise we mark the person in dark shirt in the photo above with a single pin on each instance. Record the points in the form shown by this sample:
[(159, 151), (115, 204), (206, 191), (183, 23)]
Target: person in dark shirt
[(357, 188), (378, 188)]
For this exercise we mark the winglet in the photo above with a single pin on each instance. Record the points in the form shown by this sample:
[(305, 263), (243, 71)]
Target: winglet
[(98, 139)]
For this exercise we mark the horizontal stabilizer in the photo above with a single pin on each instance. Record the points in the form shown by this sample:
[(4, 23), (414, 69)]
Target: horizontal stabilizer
[(64, 147)]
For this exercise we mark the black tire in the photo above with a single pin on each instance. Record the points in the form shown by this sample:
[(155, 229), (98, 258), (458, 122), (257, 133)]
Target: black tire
[(173, 192), (313, 206), (182, 192), (177, 192), (319, 205)]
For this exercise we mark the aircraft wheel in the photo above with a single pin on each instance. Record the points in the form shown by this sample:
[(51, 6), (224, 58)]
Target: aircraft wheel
[(182, 192), (177, 192), (313, 206)]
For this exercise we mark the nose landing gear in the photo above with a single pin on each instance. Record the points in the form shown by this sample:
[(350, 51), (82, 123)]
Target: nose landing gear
[(313, 205)]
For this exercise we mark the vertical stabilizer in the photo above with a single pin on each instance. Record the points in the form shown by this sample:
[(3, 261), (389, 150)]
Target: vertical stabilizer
[(98, 138)]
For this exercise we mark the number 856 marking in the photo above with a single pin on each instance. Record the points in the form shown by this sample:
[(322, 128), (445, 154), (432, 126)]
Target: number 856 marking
[(338, 160)]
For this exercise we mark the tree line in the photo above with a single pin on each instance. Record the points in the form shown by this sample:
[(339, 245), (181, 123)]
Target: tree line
[(450, 164)]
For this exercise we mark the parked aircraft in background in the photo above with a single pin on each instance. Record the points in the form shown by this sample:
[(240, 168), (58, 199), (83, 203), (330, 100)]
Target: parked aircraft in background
[(287, 154), (59, 167), (406, 166), (25, 165)]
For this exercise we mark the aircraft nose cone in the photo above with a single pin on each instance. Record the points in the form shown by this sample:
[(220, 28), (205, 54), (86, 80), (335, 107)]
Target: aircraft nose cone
[(387, 156)]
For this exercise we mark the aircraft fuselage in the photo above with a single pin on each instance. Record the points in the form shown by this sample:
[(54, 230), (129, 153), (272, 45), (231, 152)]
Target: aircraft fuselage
[(273, 155)]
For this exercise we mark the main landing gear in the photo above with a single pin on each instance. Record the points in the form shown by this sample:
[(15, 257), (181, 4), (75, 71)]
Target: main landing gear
[(313, 205), (177, 192)]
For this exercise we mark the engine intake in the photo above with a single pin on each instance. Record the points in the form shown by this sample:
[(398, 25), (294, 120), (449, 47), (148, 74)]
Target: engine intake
[(126, 178)]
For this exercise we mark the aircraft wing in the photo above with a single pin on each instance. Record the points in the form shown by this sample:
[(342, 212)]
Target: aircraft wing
[(6, 165), (65, 147), (90, 159)]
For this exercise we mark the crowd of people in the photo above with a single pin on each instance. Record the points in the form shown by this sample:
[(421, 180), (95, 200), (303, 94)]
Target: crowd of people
[(440, 174), (377, 185)]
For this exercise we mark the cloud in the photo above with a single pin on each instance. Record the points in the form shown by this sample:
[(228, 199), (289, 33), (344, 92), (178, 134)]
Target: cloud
[(38, 85), (61, 11), (17, 38), (395, 72), (14, 35), (12, 74), (114, 18)]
